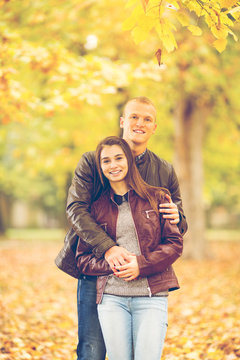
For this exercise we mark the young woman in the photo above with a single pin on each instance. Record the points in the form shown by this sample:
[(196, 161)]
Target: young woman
[(132, 299)]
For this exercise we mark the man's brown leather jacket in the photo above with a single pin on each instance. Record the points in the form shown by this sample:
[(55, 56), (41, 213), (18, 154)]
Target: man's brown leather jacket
[(86, 188)]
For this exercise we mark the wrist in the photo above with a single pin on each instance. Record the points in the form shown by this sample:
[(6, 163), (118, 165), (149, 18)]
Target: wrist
[(100, 250)]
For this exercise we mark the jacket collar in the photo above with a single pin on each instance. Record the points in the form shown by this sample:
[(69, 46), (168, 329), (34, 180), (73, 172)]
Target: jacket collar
[(140, 159), (112, 195), (140, 156)]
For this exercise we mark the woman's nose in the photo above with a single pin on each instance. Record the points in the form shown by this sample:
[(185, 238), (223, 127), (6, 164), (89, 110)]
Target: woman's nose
[(112, 164)]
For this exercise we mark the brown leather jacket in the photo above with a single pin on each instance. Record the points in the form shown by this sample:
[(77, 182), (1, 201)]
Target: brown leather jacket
[(86, 188), (160, 243)]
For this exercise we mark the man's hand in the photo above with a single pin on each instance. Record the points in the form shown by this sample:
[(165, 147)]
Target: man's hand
[(128, 271), (170, 211), (117, 256)]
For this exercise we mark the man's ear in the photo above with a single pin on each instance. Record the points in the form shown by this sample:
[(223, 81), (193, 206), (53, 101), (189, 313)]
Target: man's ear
[(121, 121), (155, 128)]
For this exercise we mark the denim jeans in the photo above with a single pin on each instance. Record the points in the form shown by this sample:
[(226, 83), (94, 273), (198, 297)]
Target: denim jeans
[(133, 327), (90, 340)]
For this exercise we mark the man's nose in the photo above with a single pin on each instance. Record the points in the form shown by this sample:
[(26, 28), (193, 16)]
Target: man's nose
[(139, 121)]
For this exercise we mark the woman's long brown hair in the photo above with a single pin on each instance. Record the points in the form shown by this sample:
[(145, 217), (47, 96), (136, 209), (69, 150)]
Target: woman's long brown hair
[(133, 178)]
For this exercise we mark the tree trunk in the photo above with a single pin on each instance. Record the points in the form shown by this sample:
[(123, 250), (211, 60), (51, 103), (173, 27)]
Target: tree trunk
[(189, 131), (4, 213)]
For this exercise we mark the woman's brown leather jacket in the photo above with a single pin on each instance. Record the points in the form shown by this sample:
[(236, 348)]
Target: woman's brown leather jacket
[(160, 244)]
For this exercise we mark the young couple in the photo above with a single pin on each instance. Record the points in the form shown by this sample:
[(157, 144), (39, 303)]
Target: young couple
[(125, 235)]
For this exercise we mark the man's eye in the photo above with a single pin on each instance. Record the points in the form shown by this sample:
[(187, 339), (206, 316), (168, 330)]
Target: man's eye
[(133, 117), (148, 119)]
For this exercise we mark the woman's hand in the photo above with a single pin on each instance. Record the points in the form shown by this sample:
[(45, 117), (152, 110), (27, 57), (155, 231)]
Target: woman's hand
[(117, 256), (128, 271)]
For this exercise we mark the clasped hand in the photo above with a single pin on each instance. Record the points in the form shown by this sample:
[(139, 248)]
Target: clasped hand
[(128, 271), (122, 262)]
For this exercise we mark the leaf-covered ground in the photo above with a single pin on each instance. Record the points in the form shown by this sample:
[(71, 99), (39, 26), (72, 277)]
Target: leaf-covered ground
[(38, 305)]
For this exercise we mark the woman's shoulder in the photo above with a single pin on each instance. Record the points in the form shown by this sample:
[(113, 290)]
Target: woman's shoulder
[(102, 200)]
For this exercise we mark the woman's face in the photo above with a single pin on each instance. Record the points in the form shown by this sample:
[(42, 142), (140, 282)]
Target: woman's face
[(114, 163)]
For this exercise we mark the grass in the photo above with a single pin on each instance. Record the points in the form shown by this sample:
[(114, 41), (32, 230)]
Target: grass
[(45, 234)]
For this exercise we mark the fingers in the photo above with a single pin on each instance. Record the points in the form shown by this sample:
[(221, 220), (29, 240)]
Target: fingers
[(128, 271), (117, 256), (168, 197), (175, 222), (173, 217), (126, 275), (170, 211), (169, 205)]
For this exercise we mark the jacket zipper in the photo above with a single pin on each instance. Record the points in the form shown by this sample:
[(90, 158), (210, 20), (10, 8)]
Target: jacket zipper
[(148, 288), (147, 213)]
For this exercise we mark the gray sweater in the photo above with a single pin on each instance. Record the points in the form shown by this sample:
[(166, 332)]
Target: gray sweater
[(127, 237)]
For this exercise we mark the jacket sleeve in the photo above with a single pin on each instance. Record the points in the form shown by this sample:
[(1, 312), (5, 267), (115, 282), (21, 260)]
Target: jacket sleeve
[(80, 196), (176, 198), (165, 254), (88, 264)]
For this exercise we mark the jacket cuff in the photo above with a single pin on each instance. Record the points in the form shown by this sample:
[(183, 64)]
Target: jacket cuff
[(100, 250), (182, 225)]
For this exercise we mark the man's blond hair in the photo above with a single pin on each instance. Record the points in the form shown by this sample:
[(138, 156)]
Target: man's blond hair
[(140, 99)]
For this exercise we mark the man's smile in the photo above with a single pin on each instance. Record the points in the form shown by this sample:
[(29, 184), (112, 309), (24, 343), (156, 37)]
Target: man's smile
[(139, 131)]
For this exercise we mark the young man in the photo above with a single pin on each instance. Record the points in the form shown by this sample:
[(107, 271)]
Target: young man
[(138, 123)]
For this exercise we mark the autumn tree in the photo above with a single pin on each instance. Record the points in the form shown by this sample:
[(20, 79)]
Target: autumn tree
[(198, 72), (63, 82)]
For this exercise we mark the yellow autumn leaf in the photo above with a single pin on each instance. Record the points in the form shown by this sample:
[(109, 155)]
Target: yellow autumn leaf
[(170, 25), (132, 20), (228, 3), (130, 3), (146, 23), (220, 32), (169, 42), (195, 30), (234, 35), (182, 18), (220, 44), (175, 4), (139, 34), (129, 23), (144, 4)]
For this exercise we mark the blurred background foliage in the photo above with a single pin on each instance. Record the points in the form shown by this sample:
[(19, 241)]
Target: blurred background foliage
[(66, 70)]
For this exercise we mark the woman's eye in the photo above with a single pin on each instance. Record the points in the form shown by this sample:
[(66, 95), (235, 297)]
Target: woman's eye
[(105, 161)]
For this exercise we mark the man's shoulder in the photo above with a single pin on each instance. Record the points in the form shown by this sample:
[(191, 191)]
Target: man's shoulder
[(158, 160), (87, 159), (89, 155)]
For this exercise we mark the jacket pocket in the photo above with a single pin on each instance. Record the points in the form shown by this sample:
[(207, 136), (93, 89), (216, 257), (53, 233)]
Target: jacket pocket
[(149, 214)]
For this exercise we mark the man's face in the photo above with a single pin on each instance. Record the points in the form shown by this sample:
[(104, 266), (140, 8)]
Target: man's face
[(138, 123)]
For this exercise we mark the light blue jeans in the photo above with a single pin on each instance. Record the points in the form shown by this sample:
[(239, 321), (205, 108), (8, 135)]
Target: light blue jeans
[(133, 327)]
